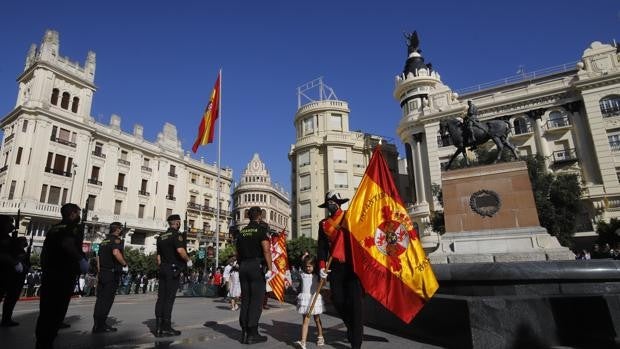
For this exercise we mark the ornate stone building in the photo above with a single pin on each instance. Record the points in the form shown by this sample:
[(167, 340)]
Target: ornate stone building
[(327, 156), (569, 114), (256, 189), (54, 152)]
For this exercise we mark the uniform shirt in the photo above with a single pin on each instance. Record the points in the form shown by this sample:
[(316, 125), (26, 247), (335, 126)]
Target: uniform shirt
[(106, 257), (7, 262), (62, 249), (249, 241), (167, 245)]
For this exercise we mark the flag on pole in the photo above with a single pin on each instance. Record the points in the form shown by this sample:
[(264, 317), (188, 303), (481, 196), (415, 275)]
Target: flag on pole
[(281, 276), (207, 123), (386, 251)]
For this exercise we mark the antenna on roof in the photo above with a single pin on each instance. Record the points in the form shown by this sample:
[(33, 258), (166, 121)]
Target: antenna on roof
[(326, 93)]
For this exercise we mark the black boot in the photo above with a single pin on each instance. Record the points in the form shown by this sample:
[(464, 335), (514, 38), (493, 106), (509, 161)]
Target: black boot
[(158, 332), (254, 337), (167, 329), (244, 335)]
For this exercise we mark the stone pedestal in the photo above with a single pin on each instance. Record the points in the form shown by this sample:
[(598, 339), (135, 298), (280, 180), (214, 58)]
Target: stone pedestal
[(491, 216)]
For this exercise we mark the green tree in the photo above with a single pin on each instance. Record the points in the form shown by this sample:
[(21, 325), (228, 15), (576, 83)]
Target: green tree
[(139, 262), (437, 221), (608, 233), (297, 247)]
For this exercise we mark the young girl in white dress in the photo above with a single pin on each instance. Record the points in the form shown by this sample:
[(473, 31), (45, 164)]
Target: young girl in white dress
[(234, 292), (309, 285)]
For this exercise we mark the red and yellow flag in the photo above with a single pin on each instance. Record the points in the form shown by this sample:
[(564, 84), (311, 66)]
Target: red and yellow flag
[(207, 123), (280, 279), (386, 251)]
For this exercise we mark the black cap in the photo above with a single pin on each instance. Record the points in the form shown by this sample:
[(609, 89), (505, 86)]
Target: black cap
[(115, 225), (333, 196), (174, 217)]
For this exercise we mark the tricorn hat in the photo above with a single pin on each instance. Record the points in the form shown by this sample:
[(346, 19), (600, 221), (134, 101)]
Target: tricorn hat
[(174, 217), (333, 196)]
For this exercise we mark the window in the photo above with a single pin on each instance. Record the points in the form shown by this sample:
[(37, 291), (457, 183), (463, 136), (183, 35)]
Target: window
[(335, 122), (340, 155), (64, 134), (144, 185), (168, 212), (54, 99), (117, 206), (18, 158), (98, 149), (194, 178), (308, 125), (610, 106), (64, 103), (557, 119), (191, 223), (614, 140), (43, 193), (304, 210), (207, 203), (12, 190), (121, 180), (94, 174), (304, 183), (64, 196), (141, 211), (520, 126), (172, 171), (91, 202), (54, 195), (54, 131), (170, 195), (25, 126), (192, 199), (123, 155), (59, 164), (303, 159), (146, 162), (341, 180), (75, 104)]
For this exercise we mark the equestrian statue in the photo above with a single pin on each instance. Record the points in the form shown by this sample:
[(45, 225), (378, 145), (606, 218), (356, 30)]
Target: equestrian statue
[(471, 132)]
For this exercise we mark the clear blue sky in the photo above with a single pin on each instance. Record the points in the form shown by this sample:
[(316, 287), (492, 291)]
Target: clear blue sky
[(157, 60)]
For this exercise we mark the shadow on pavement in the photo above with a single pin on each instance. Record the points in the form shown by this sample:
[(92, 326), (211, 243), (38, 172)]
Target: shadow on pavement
[(226, 330)]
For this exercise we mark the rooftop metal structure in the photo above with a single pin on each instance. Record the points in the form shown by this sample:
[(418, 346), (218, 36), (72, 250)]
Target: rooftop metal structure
[(325, 92)]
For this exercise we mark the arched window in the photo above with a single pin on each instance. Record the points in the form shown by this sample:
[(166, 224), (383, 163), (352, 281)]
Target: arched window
[(54, 99), (520, 126), (64, 103), (610, 105), (76, 103), (557, 119)]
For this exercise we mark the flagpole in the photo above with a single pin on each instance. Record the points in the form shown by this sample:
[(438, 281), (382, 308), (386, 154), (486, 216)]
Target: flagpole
[(218, 184)]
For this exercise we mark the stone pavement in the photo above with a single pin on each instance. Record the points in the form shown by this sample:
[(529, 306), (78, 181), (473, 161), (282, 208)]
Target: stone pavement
[(205, 322)]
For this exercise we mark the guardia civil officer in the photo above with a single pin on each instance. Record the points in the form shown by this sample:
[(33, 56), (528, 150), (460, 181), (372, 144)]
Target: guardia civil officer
[(10, 267), (254, 256), (172, 258), (16, 281), (110, 265), (346, 290), (62, 261)]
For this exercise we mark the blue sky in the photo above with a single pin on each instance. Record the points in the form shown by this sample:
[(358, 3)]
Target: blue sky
[(157, 60)]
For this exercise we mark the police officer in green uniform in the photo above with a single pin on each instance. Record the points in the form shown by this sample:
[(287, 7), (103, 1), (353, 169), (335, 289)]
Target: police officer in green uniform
[(62, 261), (172, 258), (10, 268), (254, 255), (110, 264)]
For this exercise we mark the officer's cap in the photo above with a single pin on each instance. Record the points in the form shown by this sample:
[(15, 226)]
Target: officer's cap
[(174, 217)]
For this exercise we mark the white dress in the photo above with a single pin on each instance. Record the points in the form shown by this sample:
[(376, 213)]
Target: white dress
[(235, 285), (309, 285)]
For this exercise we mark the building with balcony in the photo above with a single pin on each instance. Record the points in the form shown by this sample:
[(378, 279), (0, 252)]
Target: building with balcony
[(327, 156), (54, 152), (256, 189), (569, 114)]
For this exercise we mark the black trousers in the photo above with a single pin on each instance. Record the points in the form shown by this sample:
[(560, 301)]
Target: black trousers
[(56, 291), (347, 295), (14, 288), (252, 282), (167, 292), (106, 291)]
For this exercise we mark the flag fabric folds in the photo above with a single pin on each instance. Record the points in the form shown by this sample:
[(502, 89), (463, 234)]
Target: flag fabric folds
[(386, 251), (207, 123), (281, 276)]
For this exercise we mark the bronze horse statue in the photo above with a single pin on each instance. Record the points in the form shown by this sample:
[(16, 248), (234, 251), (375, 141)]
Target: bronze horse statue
[(495, 130)]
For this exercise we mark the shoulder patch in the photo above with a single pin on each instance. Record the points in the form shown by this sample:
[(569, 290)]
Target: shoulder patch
[(117, 241), (180, 238)]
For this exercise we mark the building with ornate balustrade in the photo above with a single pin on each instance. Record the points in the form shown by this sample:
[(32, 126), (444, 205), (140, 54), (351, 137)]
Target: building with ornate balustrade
[(569, 114), (256, 189), (54, 152)]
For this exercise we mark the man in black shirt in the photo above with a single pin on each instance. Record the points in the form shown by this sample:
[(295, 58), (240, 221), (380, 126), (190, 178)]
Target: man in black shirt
[(10, 269), (253, 254), (110, 265), (62, 261), (172, 258)]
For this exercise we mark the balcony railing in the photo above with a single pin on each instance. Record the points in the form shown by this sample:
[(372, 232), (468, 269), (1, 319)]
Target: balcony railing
[(146, 169), (9, 137), (614, 145), (522, 129), (57, 172), (124, 162), (94, 181), (170, 197), (194, 206), (63, 141), (609, 111), (557, 123), (120, 187), (144, 193), (565, 155), (99, 154), (172, 174)]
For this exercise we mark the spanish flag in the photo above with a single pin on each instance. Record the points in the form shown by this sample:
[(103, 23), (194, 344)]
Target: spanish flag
[(207, 123), (387, 255), (280, 279)]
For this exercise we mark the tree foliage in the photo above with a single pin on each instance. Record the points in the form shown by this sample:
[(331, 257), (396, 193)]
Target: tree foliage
[(139, 262), (609, 233), (437, 218), (297, 247)]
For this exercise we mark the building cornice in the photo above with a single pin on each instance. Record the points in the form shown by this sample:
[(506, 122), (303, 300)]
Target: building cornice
[(59, 71)]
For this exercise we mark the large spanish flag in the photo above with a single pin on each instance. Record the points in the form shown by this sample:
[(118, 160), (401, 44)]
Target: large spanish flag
[(387, 255), (207, 123), (280, 278)]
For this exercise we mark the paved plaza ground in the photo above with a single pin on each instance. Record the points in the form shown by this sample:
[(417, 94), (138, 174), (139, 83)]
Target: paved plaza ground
[(205, 322)]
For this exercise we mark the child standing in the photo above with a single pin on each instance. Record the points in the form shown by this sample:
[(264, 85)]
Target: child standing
[(234, 292), (309, 285)]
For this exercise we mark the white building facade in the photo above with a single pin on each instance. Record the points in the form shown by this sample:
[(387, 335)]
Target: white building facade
[(54, 152), (256, 189), (569, 114)]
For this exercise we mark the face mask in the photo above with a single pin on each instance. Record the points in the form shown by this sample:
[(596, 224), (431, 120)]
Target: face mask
[(332, 208)]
